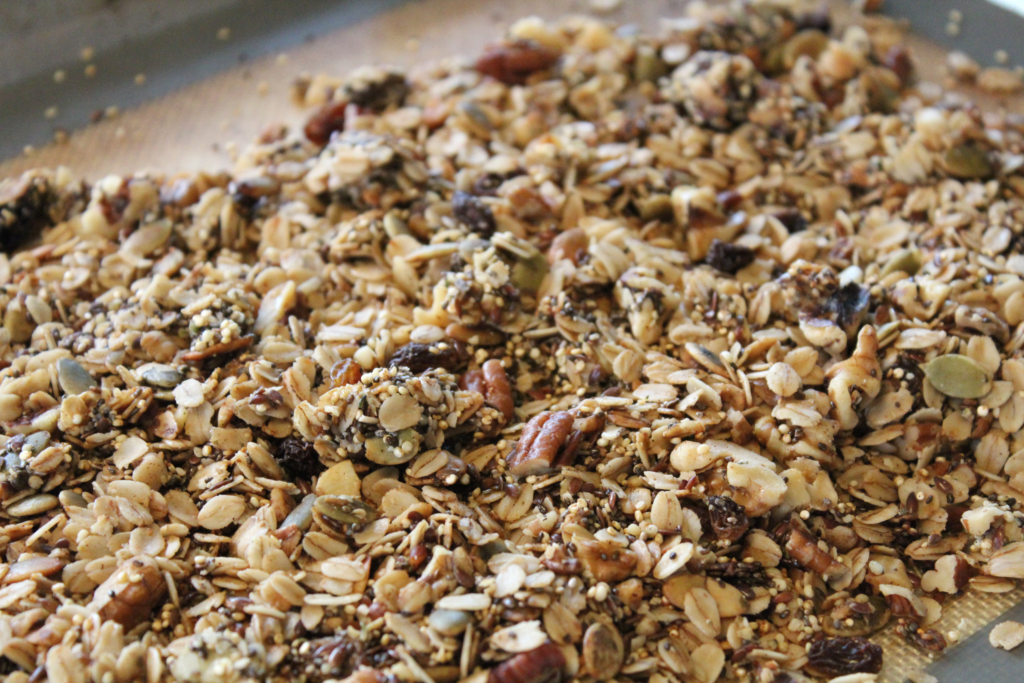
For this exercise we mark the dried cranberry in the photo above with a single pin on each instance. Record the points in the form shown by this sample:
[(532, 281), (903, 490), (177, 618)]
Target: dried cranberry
[(422, 357), (512, 63), (329, 120), (728, 257), (729, 520), (474, 214), (299, 458), (832, 657)]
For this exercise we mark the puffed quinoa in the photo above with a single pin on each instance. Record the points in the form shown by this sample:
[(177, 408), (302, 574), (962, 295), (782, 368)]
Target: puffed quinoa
[(689, 357)]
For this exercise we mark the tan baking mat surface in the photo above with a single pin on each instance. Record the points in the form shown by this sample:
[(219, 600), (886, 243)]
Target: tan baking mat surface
[(196, 128)]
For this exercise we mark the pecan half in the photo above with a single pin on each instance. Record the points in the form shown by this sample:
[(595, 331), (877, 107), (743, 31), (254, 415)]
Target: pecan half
[(540, 443), (571, 244), (131, 592), (498, 391), (328, 120), (540, 665), (606, 560), (803, 547), (512, 63), (728, 518)]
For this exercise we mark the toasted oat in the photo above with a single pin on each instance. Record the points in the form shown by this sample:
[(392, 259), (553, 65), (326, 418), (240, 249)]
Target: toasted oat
[(1007, 635)]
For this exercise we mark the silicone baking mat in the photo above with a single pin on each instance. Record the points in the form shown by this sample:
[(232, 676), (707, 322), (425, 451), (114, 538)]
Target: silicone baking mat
[(233, 79)]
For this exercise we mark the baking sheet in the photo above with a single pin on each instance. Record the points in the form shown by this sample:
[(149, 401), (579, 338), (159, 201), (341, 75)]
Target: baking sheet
[(977, 656), (163, 50), (192, 128), (990, 32)]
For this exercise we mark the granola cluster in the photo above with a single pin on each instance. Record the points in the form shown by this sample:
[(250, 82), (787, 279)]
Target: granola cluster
[(690, 357)]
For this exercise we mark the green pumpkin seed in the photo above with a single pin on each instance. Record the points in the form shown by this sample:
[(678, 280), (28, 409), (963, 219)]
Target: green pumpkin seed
[(882, 94), (528, 274), (378, 450), (906, 260), (957, 376), (470, 246), (657, 206), (774, 60), (448, 622), (73, 378), (302, 515), (71, 499), (810, 42), (859, 624), (649, 66), (345, 509), (395, 226), (968, 161), (489, 550), (37, 441), (163, 376)]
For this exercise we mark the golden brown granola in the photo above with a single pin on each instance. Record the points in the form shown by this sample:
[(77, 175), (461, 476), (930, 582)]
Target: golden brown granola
[(689, 357)]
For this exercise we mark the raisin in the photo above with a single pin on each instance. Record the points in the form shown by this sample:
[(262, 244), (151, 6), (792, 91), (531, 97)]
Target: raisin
[(729, 520), (897, 60), (8, 667), (474, 214), (248, 193), (24, 210), (816, 18), (512, 63), (339, 655), (740, 573), (379, 93), (832, 657), (451, 473), (299, 458), (792, 220), (422, 357), (346, 372), (929, 639), (488, 184), (329, 120), (850, 304), (728, 257)]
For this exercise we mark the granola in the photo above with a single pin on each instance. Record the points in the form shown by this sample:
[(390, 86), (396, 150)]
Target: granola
[(688, 357)]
